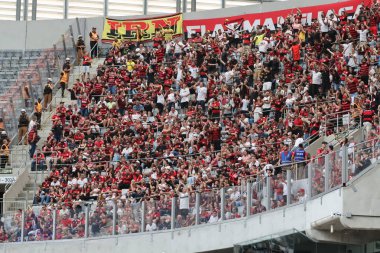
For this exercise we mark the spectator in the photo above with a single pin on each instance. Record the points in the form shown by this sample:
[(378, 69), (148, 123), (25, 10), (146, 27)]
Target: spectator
[(80, 49), (38, 112), (4, 153), (2, 126), (86, 66), (23, 123), (63, 80), (33, 138), (94, 38), (48, 93)]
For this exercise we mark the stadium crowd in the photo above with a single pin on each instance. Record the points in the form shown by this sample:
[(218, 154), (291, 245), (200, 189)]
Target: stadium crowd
[(199, 114)]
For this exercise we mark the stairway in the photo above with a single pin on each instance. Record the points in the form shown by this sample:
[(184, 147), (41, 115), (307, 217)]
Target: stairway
[(21, 193)]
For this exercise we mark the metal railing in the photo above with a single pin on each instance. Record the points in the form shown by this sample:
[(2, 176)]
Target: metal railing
[(273, 187), (339, 122)]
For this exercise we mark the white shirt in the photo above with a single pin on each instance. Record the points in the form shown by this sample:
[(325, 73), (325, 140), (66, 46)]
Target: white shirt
[(201, 93), (184, 94), (351, 62), (228, 75), (171, 97), (324, 24), (263, 46), (183, 200), (316, 77), (127, 151), (160, 99), (32, 123), (289, 102), (347, 49), (173, 113), (72, 182), (193, 71), (55, 183), (169, 47), (235, 195), (245, 103), (81, 182), (298, 142), (284, 188), (150, 228), (213, 219), (363, 35), (178, 47)]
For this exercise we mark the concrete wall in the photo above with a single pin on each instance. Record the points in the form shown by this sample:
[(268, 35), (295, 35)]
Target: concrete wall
[(40, 34), (363, 202)]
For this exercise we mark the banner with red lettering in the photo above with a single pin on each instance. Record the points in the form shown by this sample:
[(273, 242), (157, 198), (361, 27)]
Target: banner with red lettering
[(270, 19), (141, 29)]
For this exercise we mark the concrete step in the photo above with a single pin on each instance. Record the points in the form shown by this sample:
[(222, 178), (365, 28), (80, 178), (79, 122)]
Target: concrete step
[(30, 189), (26, 194)]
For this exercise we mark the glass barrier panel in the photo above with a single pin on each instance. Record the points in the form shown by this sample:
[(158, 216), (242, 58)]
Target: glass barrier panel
[(235, 202), (70, 220), (128, 216), (38, 224), (317, 177), (258, 195), (12, 226), (361, 156), (335, 167), (158, 213), (100, 219), (278, 190), (297, 189), (209, 207), (185, 209)]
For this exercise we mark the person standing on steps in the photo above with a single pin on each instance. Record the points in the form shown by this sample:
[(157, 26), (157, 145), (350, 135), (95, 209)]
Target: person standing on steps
[(80, 49), (86, 66), (33, 138), (48, 94), (23, 123), (63, 80), (4, 153), (94, 38), (57, 130), (66, 69), (38, 112)]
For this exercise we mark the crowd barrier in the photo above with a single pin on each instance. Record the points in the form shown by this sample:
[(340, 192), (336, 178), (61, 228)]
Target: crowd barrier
[(272, 188)]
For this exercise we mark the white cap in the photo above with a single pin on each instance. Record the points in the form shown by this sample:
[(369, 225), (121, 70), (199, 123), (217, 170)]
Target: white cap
[(23, 110), (49, 79), (3, 132), (67, 59)]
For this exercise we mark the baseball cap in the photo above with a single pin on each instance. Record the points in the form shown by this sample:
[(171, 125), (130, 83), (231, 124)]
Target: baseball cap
[(3, 132), (23, 110), (67, 59), (49, 79)]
